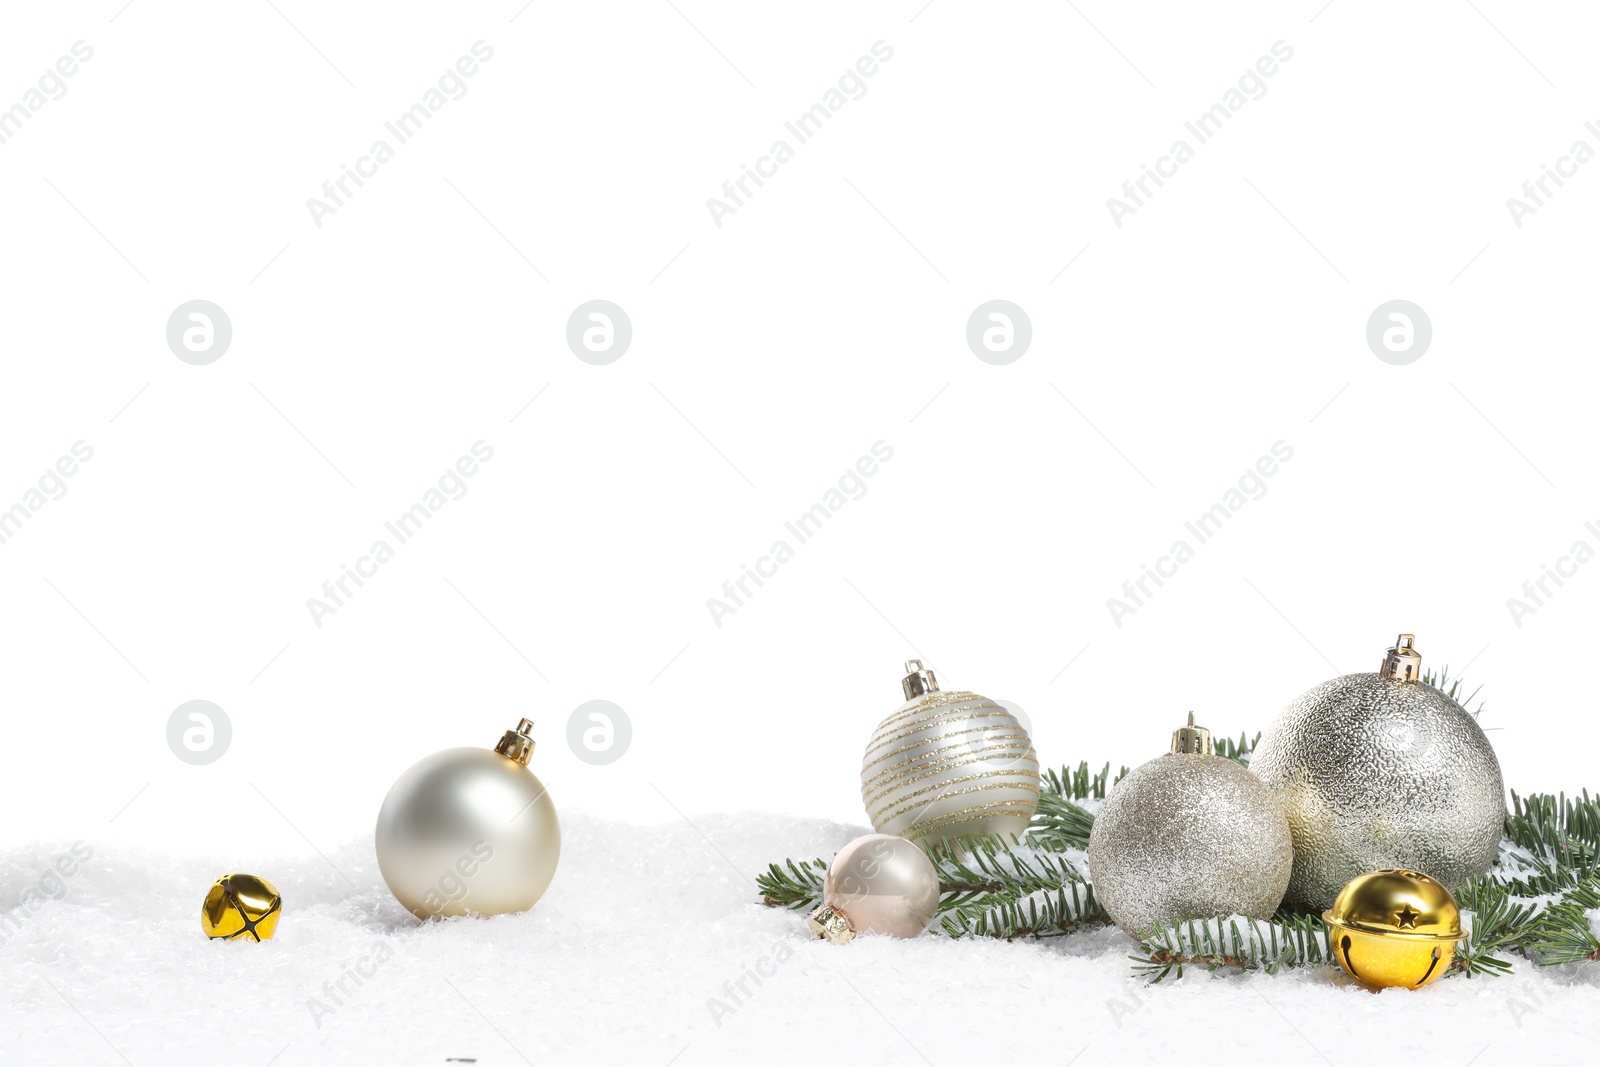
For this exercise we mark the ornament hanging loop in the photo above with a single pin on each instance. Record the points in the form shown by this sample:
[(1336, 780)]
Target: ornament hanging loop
[(918, 680), (1402, 663), (1191, 739)]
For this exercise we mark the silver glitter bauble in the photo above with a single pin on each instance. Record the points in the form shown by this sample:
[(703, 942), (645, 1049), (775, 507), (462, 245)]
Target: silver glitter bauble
[(469, 831), (1380, 771), (877, 884), (1190, 835), (948, 764)]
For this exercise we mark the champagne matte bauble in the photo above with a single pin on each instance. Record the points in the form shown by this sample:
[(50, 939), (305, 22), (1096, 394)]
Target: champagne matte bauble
[(469, 831)]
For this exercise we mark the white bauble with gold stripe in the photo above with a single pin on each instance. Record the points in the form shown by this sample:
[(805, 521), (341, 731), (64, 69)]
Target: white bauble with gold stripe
[(948, 764)]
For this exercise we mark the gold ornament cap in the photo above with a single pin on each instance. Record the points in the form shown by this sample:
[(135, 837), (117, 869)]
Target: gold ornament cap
[(1402, 663), (1401, 904), (1191, 739), (517, 744), (919, 680), (830, 924)]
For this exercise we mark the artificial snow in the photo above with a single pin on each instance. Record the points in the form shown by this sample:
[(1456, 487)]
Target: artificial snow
[(650, 948)]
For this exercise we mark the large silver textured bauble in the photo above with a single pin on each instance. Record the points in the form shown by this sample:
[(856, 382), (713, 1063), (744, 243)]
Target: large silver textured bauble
[(468, 831), (1377, 773), (945, 764), (1188, 836)]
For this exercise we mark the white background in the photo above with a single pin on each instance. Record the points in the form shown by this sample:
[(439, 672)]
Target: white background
[(768, 355)]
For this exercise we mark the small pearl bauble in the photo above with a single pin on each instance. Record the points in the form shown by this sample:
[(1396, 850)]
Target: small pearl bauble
[(1382, 771), (1190, 835), (946, 764), (877, 884), (469, 831)]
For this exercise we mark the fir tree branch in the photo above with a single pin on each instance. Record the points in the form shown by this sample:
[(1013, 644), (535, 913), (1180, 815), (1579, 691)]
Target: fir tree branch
[(1079, 784), (795, 885), (1563, 833), (1236, 943), (1563, 932), (975, 866), (1069, 908), (1059, 823), (1497, 924)]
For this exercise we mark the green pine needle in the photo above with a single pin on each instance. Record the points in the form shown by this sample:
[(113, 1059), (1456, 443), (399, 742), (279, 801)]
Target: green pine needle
[(1453, 688)]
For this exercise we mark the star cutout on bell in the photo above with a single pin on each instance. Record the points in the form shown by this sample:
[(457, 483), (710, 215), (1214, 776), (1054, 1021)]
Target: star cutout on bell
[(1408, 918)]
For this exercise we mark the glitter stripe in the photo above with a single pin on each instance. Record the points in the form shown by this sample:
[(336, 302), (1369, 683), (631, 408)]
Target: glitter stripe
[(943, 700), (1018, 754), (966, 815), (1024, 785), (999, 751), (882, 738), (999, 732), (944, 791), (1023, 806)]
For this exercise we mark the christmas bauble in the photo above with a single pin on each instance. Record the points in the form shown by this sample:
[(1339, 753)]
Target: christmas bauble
[(1394, 928), (946, 764), (877, 884), (1378, 771), (470, 831), (241, 907), (1189, 835)]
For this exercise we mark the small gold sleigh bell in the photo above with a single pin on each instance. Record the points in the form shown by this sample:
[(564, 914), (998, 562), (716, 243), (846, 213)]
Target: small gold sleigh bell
[(1394, 928), (241, 907)]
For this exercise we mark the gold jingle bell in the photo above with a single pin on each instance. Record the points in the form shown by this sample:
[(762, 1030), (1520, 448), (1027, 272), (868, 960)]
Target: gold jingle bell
[(241, 907), (1394, 928)]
